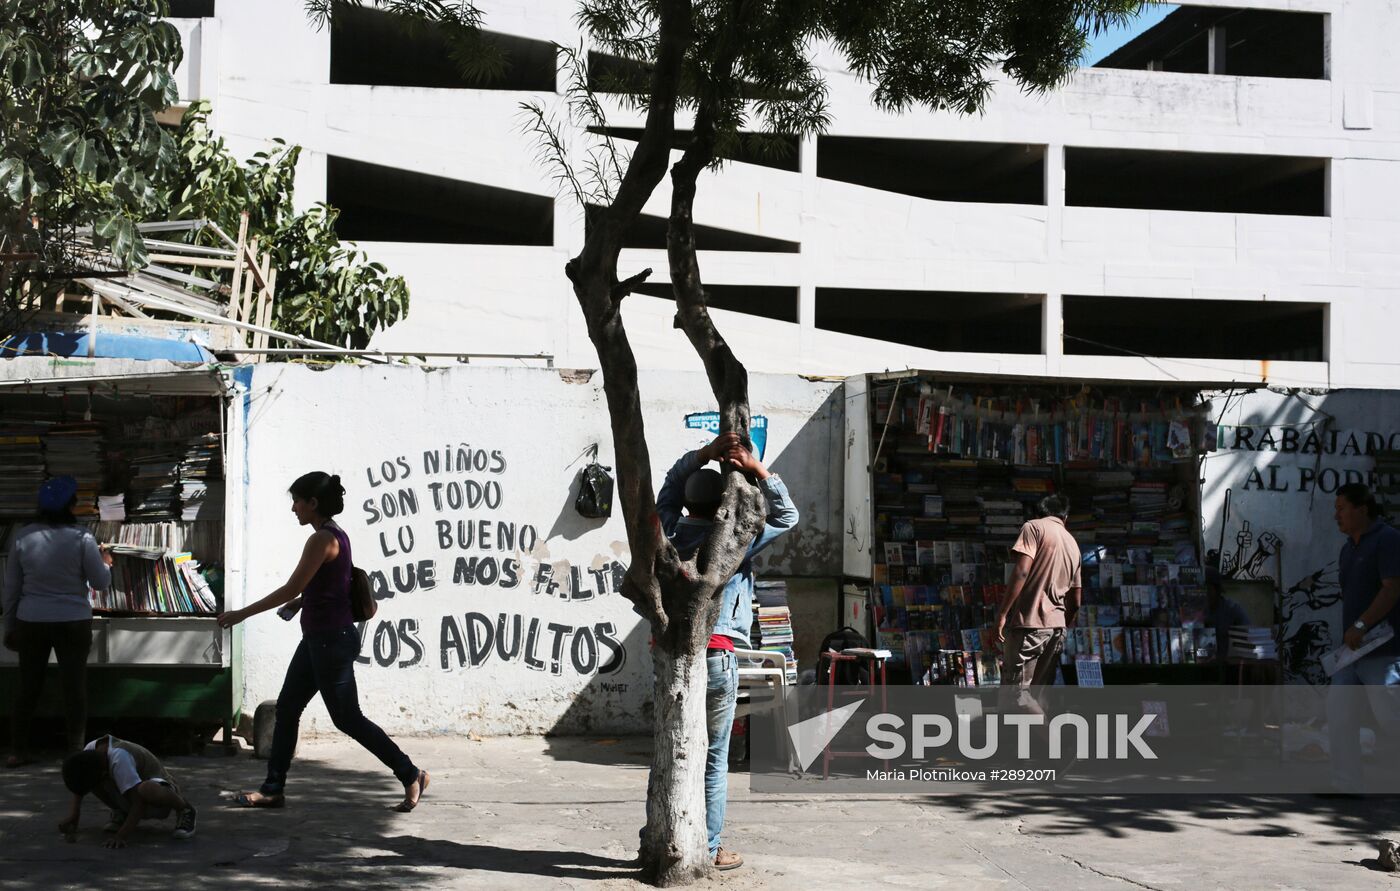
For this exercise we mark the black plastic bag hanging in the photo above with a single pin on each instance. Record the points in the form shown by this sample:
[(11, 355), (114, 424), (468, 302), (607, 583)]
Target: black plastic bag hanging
[(595, 490)]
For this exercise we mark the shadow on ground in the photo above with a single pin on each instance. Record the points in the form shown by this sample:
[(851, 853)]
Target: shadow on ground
[(1120, 816), (337, 830)]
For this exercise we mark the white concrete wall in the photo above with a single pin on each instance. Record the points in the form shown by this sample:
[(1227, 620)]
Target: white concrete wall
[(1281, 460), (273, 75), (534, 426)]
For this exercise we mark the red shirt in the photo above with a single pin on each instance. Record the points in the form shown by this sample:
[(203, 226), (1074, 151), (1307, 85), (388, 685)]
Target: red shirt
[(720, 642)]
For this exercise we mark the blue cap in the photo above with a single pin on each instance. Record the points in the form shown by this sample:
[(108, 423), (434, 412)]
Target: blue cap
[(56, 494)]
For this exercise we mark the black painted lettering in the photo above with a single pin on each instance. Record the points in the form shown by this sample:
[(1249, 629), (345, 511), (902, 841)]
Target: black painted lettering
[(427, 575), (528, 538), (1255, 480), (581, 591), (1328, 480), (1266, 441), (505, 536), (1274, 484), (1312, 444), (1244, 437), (386, 644), (1288, 440), (544, 580), (507, 651), (360, 656), (607, 639), (405, 578), (483, 533), (600, 580), (371, 512), (498, 461), (487, 571), (435, 490), (379, 585), (558, 635), (1375, 442), (481, 634), (510, 572), (450, 640), (408, 637), (444, 534), (532, 642), (1352, 447), (584, 652), (464, 571), (1306, 478), (432, 462)]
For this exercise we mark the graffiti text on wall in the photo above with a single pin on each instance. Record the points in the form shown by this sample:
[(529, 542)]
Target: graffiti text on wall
[(1317, 442), (437, 518)]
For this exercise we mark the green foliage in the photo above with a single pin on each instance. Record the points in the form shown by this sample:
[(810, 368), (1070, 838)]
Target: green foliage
[(326, 290), (477, 57), (80, 84), (938, 54)]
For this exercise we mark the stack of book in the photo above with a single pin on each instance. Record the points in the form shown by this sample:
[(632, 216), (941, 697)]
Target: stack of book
[(773, 622), (201, 485), (154, 489), (21, 469), (1253, 643), (111, 508), (155, 580), (75, 450)]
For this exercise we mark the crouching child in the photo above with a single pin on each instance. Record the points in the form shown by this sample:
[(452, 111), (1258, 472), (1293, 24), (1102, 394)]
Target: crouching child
[(129, 780)]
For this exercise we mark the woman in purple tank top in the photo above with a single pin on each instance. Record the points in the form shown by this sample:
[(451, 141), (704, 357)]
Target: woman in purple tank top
[(324, 661)]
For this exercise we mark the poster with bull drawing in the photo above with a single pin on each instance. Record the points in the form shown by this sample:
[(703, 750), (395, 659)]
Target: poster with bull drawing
[(1268, 494)]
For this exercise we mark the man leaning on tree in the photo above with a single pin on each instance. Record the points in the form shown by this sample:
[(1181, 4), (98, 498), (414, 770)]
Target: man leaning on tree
[(697, 488)]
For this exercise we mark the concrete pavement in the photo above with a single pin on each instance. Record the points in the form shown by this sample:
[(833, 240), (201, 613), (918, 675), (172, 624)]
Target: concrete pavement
[(527, 812)]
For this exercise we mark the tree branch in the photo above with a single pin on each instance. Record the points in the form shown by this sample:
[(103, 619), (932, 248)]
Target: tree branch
[(628, 285), (742, 510), (648, 163)]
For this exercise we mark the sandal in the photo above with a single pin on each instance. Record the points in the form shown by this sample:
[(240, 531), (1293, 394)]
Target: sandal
[(247, 799), (405, 806)]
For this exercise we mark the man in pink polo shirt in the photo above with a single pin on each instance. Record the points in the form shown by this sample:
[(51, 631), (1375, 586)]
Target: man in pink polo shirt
[(1043, 598)]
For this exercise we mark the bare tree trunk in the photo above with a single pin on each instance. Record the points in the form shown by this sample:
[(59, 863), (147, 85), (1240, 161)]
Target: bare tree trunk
[(675, 849), (680, 598)]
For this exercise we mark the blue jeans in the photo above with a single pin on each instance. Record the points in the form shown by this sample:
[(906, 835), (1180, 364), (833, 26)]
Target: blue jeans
[(324, 662), (1371, 682), (720, 694)]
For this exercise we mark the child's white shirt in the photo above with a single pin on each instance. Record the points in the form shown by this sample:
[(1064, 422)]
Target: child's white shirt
[(121, 766)]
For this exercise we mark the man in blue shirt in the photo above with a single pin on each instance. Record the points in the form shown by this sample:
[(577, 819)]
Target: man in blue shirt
[(698, 488), (1369, 570)]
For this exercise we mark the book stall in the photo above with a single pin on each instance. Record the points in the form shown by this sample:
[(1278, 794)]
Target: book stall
[(149, 455), (956, 466)]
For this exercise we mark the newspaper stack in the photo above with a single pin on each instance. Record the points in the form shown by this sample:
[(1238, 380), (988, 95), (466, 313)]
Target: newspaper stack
[(76, 450)]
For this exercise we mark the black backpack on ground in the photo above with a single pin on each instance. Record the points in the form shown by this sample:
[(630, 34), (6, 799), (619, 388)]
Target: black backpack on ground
[(847, 673)]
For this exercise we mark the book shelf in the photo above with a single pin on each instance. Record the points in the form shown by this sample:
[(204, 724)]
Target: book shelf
[(150, 484), (955, 468)]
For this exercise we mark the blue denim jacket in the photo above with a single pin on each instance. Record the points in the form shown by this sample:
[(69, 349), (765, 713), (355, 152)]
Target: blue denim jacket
[(686, 533)]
